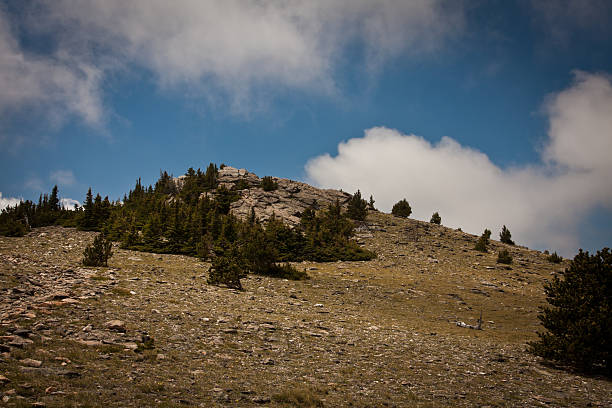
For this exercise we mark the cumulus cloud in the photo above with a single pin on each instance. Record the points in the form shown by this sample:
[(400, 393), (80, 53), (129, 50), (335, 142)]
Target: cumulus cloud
[(208, 48), (541, 204), (53, 85), (69, 203), (63, 177), (8, 201)]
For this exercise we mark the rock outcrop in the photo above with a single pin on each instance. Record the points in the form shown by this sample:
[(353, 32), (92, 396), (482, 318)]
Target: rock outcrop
[(287, 202)]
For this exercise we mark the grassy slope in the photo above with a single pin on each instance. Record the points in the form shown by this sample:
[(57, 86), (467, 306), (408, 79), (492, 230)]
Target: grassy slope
[(358, 333)]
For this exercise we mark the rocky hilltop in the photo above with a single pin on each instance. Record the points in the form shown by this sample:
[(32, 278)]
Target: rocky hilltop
[(287, 202)]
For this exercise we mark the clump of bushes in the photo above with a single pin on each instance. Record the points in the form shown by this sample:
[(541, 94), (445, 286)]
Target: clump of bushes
[(436, 219), (401, 209), (554, 258), (268, 184), (505, 236), (97, 254), (578, 319), (483, 241), (357, 207), (227, 270), (504, 257), (286, 271)]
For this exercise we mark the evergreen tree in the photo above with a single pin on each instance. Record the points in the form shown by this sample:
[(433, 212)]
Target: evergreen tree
[(505, 236), (578, 319), (268, 184), (371, 203), (435, 218), (227, 269), (483, 241), (98, 253), (504, 257), (357, 207), (401, 209), (54, 200)]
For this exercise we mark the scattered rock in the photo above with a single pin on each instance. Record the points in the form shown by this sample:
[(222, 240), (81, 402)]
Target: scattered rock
[(29, 362), (115, 325)]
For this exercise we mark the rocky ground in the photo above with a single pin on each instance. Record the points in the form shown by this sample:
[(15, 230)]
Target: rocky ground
[(149, 331)]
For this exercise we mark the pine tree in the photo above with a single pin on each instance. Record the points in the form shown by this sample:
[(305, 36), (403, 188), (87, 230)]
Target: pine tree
[(504, 257), (54, 200), (435, 218), (98, 253), (357, 207), (371, 203), (401, 209), (578, 319), (505, 236), (268, 184), (483, 241)]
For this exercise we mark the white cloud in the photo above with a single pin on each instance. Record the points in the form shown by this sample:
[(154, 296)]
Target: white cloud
[(211, 49), (542, 204), (63, 177), (8, 202), (69, 203), (54, 85)]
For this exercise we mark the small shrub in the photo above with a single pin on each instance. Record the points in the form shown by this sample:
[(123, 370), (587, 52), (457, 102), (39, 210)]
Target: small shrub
[(226, 270), (268, 184), (299, 397), (578, 319), (286, 271), (401, 209), (554, 258), (146, 343), (505, 236), (97, 254), (242, 184), (504, 257), (436, 219)]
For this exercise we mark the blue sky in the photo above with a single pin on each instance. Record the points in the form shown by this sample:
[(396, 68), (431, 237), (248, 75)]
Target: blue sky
[(490, 112)]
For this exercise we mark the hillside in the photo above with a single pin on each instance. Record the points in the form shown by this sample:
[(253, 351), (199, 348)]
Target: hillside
[(376, 333)]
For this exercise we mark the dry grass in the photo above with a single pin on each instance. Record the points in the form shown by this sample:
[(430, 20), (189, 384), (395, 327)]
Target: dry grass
[(377, 333)]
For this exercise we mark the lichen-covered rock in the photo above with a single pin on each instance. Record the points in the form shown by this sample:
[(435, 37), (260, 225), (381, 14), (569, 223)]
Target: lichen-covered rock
[(287, 202)]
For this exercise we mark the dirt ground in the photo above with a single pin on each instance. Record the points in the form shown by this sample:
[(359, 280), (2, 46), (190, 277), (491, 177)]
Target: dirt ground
[(149, 331)]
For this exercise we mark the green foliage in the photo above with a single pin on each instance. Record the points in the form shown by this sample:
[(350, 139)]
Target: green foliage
[(436, 219), (483, 241), (227, 269), (194, 220), (371, 203), (357, 207), (20, 219), (12, 228), (268, 184), (97, 254), (578, 319), (505, 236), (504, 257), (242, 184), (95, 212), (401, 209), (554, 258)]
